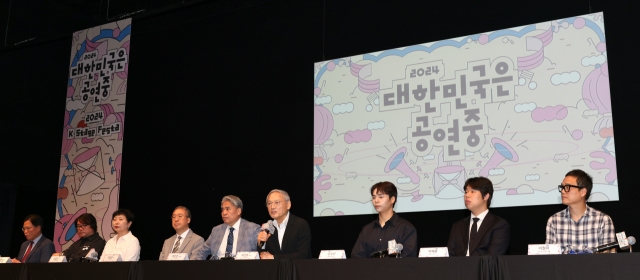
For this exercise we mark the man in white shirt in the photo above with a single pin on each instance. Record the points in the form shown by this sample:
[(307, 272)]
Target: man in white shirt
[(292, 236), (482, 233), (185, 240), (233, 236)]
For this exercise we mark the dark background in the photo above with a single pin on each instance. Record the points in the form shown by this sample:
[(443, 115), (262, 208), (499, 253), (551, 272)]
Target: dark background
[(214, 103)]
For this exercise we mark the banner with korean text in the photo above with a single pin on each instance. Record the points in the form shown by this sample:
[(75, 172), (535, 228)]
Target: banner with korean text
[(521, 106), (93, 130)]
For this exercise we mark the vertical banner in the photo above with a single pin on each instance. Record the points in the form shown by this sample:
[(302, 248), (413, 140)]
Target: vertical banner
[(92, 136)]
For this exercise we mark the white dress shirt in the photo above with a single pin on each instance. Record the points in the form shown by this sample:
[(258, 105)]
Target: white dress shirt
[(481, 217), (127, 246), (281, 228), (223, 244), (182, 237)]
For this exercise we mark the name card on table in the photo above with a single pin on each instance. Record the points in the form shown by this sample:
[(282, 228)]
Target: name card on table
[(247, 255), (111, 258), (332, 255), (433, 252), (5, 260), (622, 240), (544, 249), (178, 257), (58, 259)]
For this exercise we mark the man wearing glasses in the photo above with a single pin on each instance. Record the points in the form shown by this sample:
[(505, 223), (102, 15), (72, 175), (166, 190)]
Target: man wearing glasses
[(37, 248), (579, 228), (291, 238), (185, 240), (86, 227)]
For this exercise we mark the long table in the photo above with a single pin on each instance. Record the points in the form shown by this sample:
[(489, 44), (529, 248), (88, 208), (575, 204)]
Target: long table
[(602, 266)]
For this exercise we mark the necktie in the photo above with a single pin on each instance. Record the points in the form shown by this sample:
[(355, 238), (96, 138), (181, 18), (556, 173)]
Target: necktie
[(175, 248), (26, 254), (229, 250), (474, 231)]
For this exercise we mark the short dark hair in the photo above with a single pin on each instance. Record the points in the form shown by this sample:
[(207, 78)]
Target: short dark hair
[(386, 188), (36, 220), (87, 219), (583, 179), (481, 184), (124, 212), (185, 209)]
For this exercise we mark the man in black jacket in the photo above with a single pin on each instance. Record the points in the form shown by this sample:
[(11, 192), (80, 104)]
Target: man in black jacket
[(482, 233), (291, 238)]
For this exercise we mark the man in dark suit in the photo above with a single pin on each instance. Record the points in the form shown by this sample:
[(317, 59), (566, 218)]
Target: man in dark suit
[(37, 248), (291, 238), (482, 233)]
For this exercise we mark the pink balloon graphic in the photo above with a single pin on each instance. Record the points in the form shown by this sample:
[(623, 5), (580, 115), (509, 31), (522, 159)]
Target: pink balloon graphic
[(595, 90), (579, 23), (577, 134), (483, 39), (331, 65), (322, 124)]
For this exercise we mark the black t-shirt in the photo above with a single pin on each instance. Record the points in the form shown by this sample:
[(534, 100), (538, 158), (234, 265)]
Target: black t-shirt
[(80, 248)]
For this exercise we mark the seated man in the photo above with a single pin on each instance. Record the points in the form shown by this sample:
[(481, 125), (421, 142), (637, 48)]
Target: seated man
[(482, 233), (375, 236), (185, 240), (233, 236), (37, 248), (579, 227), (87, 226), (292, 236)]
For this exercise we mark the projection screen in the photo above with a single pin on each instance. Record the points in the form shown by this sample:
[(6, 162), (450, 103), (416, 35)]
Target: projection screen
[(521, 106)]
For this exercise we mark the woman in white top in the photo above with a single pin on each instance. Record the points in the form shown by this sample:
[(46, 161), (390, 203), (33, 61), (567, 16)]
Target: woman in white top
[(123, 243)]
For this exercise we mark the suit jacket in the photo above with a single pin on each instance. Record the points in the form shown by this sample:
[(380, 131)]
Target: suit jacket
[(40, 253), (296, 242), (189, 245), (493, 237), (247, 240)]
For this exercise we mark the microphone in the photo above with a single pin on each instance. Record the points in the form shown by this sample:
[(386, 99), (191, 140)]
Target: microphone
[(268, 228), (396, 251), (379, 254), (92, 256), (630, 239)]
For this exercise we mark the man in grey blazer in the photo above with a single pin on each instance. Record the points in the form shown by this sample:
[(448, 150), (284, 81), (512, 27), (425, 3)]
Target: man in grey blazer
[(37, 248), (233, 236), (185, 240)]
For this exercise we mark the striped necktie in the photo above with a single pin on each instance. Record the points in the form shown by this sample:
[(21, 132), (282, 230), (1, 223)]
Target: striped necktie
[(175, 248), (229, 250)]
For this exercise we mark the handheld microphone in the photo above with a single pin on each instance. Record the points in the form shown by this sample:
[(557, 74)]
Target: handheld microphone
[(630, 239), (268, 228)]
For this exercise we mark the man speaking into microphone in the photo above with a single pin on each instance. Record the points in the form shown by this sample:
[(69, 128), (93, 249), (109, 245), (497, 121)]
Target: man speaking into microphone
[(375, 236), (291, 236)]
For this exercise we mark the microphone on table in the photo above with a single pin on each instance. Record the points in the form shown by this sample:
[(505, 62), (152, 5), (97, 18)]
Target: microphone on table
[(396, 251), (268, 228), (630, 239), (92, 256), (379, 254)]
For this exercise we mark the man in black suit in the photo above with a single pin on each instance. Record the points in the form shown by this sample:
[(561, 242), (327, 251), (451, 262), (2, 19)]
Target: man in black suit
[(482, 233), (37, 248), (292, 236)]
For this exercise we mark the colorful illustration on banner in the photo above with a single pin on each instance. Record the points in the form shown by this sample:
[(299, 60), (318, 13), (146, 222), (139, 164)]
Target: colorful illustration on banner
[(93, 130)]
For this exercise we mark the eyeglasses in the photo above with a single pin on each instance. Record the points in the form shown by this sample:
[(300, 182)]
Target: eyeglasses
[(80, 226), (567, 188), (27, 228), (276, 203)]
